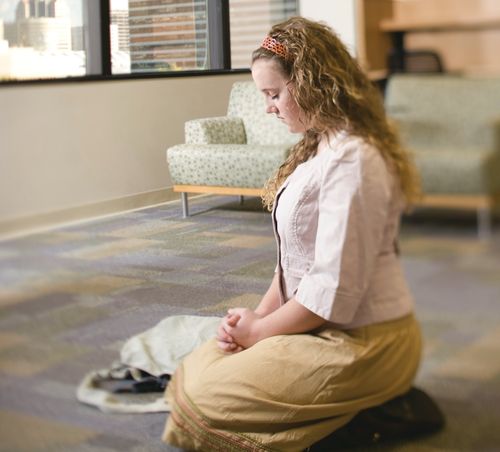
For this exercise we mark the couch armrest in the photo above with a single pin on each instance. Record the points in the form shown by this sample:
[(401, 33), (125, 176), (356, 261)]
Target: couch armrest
[(217, 130)]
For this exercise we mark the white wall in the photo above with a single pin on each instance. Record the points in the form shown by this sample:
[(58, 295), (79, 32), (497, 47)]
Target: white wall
[(338, 14), (65, 145)]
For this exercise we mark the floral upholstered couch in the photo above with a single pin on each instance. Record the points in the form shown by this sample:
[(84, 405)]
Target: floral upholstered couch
[(451, 123), (234, 154)]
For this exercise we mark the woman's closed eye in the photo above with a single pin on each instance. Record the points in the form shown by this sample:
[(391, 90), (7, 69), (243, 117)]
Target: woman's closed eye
[(272, 95)]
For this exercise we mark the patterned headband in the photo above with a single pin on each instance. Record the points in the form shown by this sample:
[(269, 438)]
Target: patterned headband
[(274, 46)]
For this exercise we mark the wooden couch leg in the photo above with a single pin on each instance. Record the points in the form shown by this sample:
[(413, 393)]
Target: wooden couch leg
[(185, 206), (484, 225)]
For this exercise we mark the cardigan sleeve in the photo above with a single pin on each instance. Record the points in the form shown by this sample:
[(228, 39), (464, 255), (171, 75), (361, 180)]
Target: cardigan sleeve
[(353, 207)]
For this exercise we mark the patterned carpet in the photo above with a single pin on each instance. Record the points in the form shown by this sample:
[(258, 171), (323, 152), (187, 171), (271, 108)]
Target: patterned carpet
[(70, 297)]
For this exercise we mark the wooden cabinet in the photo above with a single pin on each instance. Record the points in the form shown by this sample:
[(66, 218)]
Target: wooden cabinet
[(372, 45), (466, 33)]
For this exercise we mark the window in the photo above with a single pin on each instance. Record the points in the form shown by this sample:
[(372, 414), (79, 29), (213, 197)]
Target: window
[(41, 39), (74, 38), (250, 21), (159, 35)]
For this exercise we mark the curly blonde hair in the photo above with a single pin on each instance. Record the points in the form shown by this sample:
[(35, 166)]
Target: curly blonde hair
[(334, 94)]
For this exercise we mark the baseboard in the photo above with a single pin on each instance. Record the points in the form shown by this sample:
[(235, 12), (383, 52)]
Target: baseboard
[(17, 227)]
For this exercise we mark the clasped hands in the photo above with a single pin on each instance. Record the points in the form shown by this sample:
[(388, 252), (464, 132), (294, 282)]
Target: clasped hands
[(238, 330)]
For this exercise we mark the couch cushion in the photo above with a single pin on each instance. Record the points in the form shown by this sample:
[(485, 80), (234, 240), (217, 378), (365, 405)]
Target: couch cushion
[(248, 103), (458, 171), (224, 165)]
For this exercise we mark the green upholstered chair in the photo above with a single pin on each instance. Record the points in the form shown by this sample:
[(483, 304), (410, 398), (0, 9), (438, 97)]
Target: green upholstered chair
[(234, 154), (451, 123)]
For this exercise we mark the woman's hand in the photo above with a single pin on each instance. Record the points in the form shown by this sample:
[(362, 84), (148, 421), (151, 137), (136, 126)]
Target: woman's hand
[(245, 331), (224, 340)]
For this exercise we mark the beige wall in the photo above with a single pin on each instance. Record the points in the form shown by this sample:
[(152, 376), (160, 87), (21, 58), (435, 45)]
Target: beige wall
[(67, 149)]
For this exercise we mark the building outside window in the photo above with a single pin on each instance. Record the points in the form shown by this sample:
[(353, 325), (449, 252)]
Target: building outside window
[(120, 37), (54, 39), (167, 35), (37, 39)]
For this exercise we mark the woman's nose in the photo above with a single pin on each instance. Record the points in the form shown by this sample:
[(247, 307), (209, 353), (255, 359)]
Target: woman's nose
[(271, 109)]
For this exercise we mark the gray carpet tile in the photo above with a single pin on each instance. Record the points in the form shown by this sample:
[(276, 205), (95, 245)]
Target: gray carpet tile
[(70, 297)]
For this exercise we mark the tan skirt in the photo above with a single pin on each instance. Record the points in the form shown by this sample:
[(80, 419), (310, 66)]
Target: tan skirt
[(287, 392)]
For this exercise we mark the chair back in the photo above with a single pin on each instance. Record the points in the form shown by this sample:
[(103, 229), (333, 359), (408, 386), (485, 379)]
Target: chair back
[(247, 103), (443, 111), (415, 61)]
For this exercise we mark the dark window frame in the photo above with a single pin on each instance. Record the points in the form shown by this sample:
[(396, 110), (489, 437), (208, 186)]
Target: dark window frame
[(97, 17)]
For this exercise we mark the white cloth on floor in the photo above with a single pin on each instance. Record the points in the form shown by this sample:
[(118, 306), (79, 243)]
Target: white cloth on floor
[(157, 351)]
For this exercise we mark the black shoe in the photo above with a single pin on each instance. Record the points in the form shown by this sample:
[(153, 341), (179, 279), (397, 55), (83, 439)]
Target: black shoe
[(407, 416)]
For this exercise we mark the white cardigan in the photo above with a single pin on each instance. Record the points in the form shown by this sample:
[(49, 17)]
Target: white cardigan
[(336, 220)]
